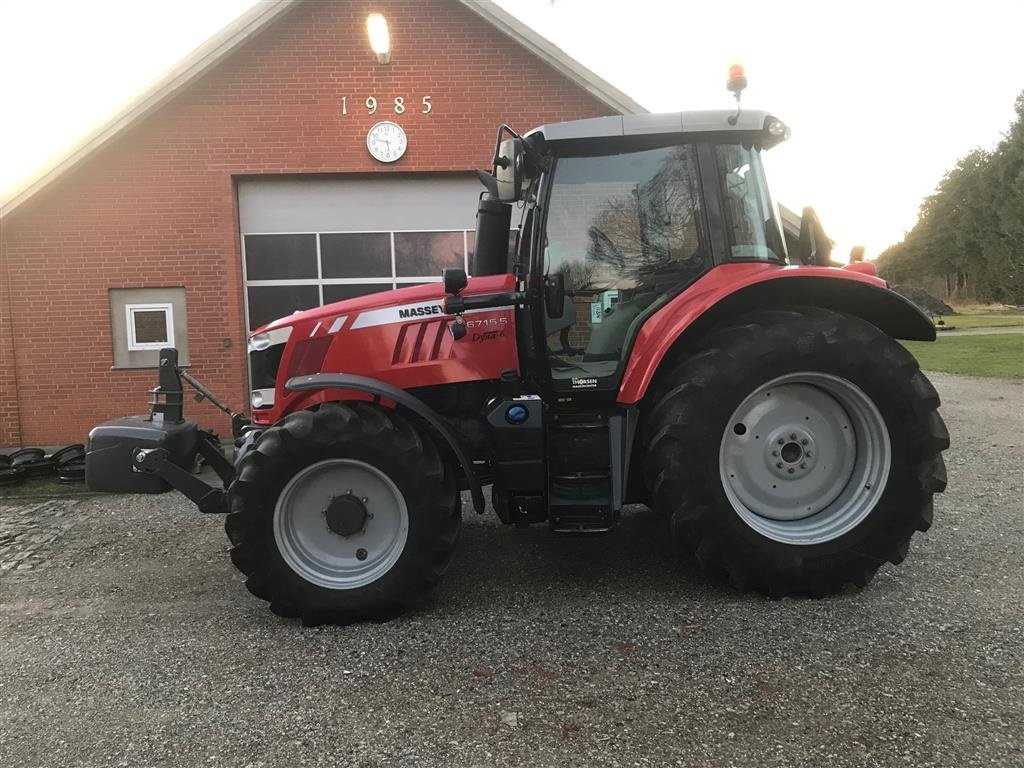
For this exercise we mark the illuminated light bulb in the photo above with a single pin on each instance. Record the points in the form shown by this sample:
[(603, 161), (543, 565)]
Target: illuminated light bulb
[(380, 37)]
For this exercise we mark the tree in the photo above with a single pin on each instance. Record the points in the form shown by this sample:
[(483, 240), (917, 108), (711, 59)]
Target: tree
[(969, 237)]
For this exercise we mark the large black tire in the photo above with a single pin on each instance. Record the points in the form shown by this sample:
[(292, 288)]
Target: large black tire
[(377, 437), (694, 402)]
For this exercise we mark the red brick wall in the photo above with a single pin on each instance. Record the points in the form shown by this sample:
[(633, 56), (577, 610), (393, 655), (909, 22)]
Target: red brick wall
[(157, 208)]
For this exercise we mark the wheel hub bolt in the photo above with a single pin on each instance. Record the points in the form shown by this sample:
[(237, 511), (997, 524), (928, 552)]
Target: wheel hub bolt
[(775, 453), (804, 441), (780, 441), (790, 470), (361, 554), (808, 453), (779, 465), (792, 435), (804, 465)]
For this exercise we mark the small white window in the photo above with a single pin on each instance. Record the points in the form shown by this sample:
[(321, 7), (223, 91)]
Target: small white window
[(150, 326)]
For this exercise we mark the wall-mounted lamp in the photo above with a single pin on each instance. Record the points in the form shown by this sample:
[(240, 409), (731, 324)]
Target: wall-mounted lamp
[(380, 38)]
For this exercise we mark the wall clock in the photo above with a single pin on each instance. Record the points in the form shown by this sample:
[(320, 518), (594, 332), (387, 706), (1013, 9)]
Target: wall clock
[(386, 141)]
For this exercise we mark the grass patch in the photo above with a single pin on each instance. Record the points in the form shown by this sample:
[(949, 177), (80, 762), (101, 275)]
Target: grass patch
[(43, 488), (1000, 355), (983, 321)]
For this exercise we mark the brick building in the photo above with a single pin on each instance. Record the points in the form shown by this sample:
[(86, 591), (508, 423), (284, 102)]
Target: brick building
[(242, 187)]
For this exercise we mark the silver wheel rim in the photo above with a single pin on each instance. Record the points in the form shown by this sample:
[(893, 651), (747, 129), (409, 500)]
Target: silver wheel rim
[(805, 458), (320, 555)]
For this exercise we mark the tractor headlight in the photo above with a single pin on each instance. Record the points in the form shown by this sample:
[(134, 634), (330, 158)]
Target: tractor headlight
[(265, 352), (259, 342), (262, 398), (266, 339)]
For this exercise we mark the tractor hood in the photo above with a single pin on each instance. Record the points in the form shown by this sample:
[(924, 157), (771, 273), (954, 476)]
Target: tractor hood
[(396, 299), (399, 337)]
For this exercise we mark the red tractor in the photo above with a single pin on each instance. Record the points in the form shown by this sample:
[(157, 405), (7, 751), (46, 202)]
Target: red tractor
[(645, 338)]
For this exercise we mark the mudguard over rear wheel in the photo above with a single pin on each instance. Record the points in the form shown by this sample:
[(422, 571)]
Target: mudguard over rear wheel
[(343, 513), (795, 451)]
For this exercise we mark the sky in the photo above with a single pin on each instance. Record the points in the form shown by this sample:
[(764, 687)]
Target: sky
[(882, 96)]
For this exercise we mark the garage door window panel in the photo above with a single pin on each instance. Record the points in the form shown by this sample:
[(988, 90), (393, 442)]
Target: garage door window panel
[(355, 255), (334, 293), (425, 254), (268, 303), (281, 257)]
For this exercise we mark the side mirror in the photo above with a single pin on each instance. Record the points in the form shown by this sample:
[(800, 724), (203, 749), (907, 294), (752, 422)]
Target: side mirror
[(554, 295), (508, 170), (815, 247), (454, 280)]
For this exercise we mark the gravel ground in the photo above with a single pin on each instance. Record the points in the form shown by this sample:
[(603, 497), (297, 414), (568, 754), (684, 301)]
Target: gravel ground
[(127, 639)]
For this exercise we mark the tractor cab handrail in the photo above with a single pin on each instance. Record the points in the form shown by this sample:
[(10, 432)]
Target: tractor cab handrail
[(456, 305)]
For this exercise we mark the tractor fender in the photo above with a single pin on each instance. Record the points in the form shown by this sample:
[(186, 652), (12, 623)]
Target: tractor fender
[(735, 289), (377, 388)]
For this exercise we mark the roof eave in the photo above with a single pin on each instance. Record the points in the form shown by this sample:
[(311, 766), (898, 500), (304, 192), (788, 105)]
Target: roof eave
[(183, 74), (257, 18), (547, 51)]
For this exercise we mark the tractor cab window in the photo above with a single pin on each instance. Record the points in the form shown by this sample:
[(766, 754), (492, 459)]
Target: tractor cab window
[(626, 232), (750, 217)]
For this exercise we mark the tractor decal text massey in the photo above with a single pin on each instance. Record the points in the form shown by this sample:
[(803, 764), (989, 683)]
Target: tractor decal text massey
[(434, 309), (751, 391), (397, 314)]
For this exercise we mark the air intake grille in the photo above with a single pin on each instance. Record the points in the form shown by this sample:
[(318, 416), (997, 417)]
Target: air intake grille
[(419, 342)]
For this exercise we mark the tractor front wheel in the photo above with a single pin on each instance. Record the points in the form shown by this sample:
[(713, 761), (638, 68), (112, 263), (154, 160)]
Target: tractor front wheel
[(344, 513), (795, 451)]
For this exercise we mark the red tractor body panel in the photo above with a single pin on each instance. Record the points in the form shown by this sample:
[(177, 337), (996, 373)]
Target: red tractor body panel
[(660, 331), (399, 337)]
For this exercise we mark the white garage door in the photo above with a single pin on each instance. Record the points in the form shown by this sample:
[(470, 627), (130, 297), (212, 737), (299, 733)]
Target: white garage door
[(307, 242)]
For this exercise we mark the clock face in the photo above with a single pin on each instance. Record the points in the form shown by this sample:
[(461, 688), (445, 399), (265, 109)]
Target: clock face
[(386, 141)]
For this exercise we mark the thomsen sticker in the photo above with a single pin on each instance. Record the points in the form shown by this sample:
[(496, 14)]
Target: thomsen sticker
[(583, 383)]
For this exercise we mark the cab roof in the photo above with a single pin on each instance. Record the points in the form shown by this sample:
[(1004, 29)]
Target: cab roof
[(664, 124)]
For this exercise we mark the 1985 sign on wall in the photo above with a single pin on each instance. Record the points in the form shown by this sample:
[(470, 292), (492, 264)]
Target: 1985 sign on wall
[(397, 105)]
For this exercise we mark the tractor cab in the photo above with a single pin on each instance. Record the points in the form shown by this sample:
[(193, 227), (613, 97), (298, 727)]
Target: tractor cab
[(619, 215)]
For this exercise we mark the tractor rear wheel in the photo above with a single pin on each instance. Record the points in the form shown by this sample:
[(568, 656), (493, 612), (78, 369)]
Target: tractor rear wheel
[(344, 513), (795, 451)]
